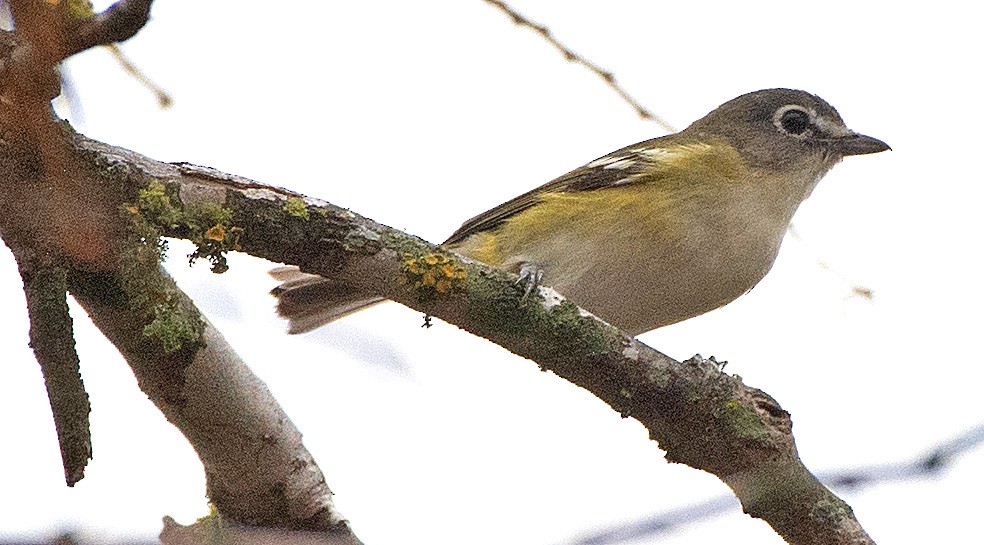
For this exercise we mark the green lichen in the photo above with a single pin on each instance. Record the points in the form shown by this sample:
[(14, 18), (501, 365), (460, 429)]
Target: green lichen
[(211, 526), (295, 207), (173, 327), (504, 308), (80, 9), (156, 207), (210, 228), (660, 376), (744, 421), (831, 510), (504, 311), (569, 326), (403, 243), (149, 292)]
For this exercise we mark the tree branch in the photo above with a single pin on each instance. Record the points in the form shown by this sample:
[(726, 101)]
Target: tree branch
[(258, 471), (61, 201), (118, 23), (54, 347), (700, 416)]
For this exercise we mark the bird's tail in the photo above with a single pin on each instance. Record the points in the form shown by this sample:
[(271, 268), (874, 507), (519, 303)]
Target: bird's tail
[(310, 301)]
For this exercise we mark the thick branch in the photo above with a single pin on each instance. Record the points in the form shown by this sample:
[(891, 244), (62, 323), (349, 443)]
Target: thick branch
[(699, 415), (118, 23), (60, 201), (258, 470), (62, 29), (74, 213)]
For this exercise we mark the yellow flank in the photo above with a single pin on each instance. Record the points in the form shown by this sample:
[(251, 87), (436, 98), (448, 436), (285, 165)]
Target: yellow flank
[(587, 212), (483, 247), (658, 199)]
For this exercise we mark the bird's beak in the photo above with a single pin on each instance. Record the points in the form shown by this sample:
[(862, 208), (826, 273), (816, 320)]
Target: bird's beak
[(859, 144)]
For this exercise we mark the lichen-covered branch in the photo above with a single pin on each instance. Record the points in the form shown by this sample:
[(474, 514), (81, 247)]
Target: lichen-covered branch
[(100, 224), (699, 415), (183, 365), (54, 347), (258, 471), (108, 248)]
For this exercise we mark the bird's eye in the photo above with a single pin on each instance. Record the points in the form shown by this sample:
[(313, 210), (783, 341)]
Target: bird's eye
[(795, 121)]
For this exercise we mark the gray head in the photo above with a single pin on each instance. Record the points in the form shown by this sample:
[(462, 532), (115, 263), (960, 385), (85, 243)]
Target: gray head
[(780, 129)]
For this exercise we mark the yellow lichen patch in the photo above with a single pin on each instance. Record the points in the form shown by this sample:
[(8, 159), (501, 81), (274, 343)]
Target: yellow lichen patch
[(216, 233), (434, 272), (213, 233)]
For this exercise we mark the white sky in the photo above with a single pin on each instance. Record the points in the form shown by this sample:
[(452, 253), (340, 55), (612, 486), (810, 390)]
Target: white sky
[(421, 114)]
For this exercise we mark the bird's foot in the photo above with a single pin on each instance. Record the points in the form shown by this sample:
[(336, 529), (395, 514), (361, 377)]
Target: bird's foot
[(530, 277)]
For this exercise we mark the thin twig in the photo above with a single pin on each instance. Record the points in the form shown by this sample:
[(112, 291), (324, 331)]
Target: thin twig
[(54, 347), (164, 100), (574, 57)]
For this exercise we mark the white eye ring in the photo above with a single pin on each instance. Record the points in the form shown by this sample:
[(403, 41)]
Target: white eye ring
[(794, 120)]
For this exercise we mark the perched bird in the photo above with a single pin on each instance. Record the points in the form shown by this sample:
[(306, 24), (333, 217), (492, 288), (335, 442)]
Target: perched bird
[(653, 233)]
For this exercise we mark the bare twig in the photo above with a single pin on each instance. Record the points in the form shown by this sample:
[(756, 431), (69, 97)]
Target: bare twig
[(257, 470), (574, 57), (118, 23), (54, 347), (164, 100)]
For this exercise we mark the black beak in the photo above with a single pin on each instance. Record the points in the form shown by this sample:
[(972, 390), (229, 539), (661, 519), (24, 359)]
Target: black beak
[(859, 144)]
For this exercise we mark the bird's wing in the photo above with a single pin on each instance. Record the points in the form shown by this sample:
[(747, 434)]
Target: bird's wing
[(630, 164)]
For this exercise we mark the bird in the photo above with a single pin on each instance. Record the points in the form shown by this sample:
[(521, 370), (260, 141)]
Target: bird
[(653, 233)]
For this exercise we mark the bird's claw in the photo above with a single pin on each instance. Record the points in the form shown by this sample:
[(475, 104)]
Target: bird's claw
[(530, 278)]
